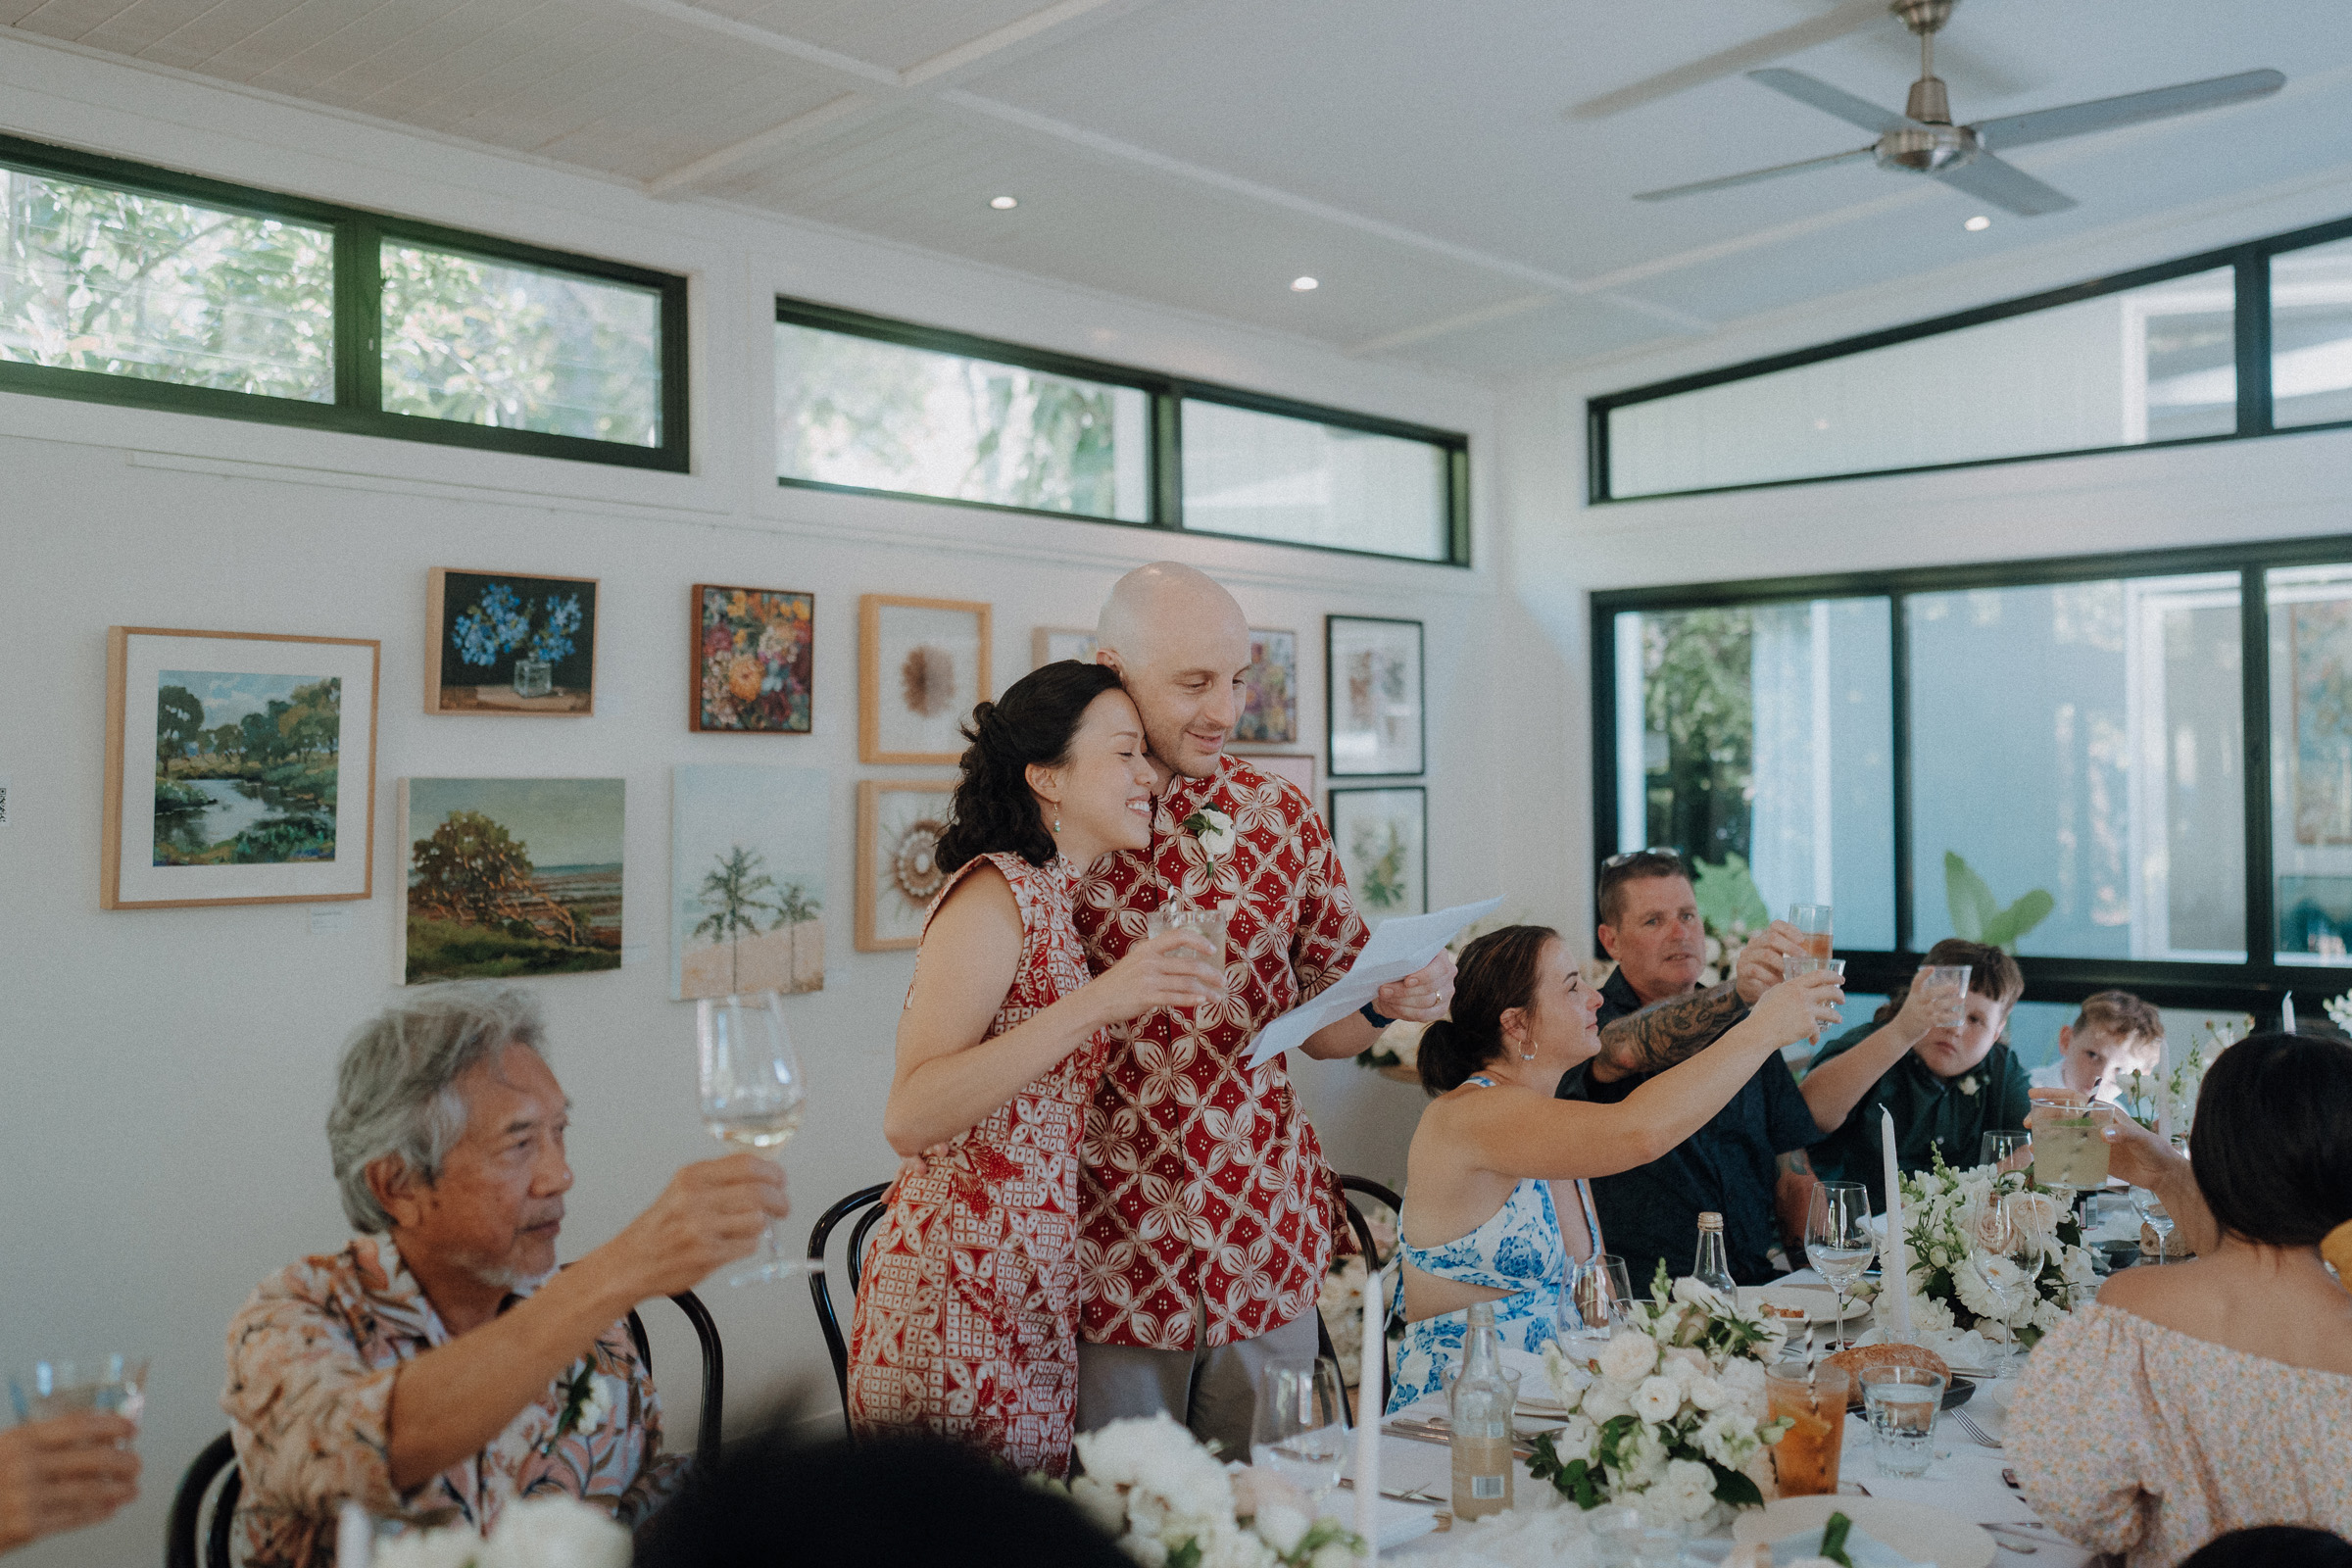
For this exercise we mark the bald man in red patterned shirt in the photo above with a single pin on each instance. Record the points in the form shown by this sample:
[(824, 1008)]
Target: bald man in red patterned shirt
[(1206, 1208)]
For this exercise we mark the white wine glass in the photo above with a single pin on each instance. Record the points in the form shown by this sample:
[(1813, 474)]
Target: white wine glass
[(1301, 1433), (1597, 1297), (1838, 1241), (754, 1095), (2157, 1218)]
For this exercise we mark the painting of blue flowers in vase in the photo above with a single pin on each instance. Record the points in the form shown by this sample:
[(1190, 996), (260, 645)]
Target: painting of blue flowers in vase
[(505, 644)]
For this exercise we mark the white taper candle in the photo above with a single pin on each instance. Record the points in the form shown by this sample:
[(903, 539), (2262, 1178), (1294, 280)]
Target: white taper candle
[(1894, 1266), (1371, 1400)]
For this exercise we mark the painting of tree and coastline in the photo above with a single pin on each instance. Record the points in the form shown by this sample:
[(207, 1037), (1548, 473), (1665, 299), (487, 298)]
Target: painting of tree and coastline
[(510, 876), (748, 848), (245, 768)]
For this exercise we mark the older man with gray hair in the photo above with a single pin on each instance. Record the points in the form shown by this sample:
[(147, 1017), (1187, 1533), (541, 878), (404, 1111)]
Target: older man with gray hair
[(438, 1367)]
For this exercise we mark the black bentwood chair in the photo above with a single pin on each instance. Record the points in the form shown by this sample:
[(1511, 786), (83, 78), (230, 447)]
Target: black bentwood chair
[(214, 1473), (1363, 1227), (837, 1345)]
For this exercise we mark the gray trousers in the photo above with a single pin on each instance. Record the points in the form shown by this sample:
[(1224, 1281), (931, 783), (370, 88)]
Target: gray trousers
[(1211, 1389)]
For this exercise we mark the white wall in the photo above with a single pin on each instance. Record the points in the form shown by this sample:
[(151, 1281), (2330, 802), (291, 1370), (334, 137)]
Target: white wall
[(164, 1074)]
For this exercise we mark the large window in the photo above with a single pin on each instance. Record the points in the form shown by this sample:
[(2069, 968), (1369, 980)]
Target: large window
[(126, 284), (2134, 769), (892, 408), (2243, 342)]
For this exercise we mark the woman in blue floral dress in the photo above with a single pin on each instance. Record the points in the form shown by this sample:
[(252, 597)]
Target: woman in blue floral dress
[(1497, 1160)]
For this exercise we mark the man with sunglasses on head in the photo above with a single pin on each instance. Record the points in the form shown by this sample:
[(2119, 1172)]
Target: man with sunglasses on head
[(1653, 1014)]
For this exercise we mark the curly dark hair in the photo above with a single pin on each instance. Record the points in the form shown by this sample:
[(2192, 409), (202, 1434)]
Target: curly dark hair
[(1030, 724)]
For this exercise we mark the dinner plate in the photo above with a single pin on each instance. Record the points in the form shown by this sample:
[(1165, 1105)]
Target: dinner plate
[(1919, 1532), (1819, 1301)]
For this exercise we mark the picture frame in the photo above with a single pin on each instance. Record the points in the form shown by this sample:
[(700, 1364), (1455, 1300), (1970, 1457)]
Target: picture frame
[(749, 845), (1374, 713), (512, 644), (1269, 714), (922, 666), (753, 666), (1381, 833), (1296, 766), (201, 807), (510, 876), (1049, 644), (899, 824)]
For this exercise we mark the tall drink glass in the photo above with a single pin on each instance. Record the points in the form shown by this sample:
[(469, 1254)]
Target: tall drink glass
[(1805, 1459), (1813, 929)]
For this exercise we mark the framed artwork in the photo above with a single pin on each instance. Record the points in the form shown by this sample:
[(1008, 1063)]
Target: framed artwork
[(1372, 696), (922, 666), (510, 876), (1383, 839), (240, 767), (898, 865), (1270, 691), (1296, 766), (753, 660), (2320, 654), (503, 644), (1050, 644), (747, 866)]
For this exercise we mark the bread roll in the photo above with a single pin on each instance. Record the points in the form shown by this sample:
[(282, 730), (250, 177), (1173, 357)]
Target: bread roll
[(1862, 1357)]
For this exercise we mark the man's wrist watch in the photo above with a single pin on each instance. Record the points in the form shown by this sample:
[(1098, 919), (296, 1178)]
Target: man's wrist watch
[(1375, 1017)]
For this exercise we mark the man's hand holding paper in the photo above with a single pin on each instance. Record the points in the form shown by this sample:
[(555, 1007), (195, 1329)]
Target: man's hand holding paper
[(1398, 951)]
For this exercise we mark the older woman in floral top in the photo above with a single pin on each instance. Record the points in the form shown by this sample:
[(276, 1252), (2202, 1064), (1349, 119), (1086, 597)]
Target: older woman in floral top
[(440, 1369)]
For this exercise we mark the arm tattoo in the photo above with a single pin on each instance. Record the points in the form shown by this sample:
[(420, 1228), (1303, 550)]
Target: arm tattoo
[(1795, 1163), (1657, 1036)]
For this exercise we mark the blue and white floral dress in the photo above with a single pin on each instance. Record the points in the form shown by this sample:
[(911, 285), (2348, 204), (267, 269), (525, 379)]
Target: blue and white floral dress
[(1519, 1248)]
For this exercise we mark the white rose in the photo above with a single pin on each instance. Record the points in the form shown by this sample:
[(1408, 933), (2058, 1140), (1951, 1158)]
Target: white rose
[(1658, 1398), (429, 1548), (1333, 1554), (556, 1532), (1103, 1505), (1729, 1438), (1629, 1357), (1691, 1291), (1575, 1439), (1691, 1485), (1606, 1400), (1709, 1394), (1148, 1550), (1281, 1527)]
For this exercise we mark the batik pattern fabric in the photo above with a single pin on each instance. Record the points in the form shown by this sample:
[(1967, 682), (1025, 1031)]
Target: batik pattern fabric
[(312, 1358), (966, 1322), (1204, 1191)]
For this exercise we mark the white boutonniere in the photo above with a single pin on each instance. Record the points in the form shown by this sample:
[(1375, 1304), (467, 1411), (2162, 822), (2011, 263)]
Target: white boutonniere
[(1213, 828), (1968, 1085), (587, 1401)]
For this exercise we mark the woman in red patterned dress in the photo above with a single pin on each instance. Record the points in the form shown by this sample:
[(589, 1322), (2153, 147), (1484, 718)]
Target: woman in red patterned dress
[(966, 1316)]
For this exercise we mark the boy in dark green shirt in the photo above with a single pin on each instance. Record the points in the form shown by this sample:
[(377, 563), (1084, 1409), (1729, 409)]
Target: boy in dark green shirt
[(1946, 1087)]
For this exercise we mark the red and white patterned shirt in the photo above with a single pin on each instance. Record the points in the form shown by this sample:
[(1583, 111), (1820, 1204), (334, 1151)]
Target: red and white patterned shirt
[(1201, 1180)]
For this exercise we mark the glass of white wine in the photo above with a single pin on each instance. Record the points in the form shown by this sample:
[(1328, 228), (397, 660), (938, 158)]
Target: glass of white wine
[(1838, 1241), (754, 1095)]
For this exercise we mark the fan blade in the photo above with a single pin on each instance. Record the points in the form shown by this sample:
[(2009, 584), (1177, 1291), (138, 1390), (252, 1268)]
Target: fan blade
[(1753, 175), (2103, 114), (2005, 185), (1852, 17), (1830, 99)]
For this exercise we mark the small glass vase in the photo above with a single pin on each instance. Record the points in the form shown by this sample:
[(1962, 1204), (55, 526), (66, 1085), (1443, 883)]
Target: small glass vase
[(533, 677)]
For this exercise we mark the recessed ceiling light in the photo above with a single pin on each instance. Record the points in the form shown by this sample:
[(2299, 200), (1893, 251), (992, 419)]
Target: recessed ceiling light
[(1977, 225), (1004, 204), (1303, 285)]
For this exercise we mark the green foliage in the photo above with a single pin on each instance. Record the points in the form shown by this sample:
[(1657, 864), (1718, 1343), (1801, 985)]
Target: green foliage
[(443, 948), (1726, 897), (1733, 1486), (1834, 1534), (1697, 694), (1978, 916), (1574, 1480), (1380, 848), (179, 720)]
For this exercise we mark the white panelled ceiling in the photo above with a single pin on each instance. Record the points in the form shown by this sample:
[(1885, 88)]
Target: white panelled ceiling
[(1419, 160)]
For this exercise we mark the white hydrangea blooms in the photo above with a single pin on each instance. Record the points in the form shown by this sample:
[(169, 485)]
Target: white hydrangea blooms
[(1150, 1482)]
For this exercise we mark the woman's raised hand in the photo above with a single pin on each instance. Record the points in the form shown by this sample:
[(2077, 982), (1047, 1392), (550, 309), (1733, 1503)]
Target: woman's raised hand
[(1799, 1008), (1174, 969)]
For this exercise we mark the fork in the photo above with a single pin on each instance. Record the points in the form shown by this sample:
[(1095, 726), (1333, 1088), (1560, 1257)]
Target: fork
[(1969, 1425)]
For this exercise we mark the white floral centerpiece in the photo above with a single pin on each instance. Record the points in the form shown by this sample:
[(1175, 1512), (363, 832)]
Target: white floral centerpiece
[(531, 1532), (2167, 1102), (1153, 1484), (1671, 1416), (1949, 1268)]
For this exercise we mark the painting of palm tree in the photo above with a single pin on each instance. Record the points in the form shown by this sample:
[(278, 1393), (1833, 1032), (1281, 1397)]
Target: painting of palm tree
[(747, 856)]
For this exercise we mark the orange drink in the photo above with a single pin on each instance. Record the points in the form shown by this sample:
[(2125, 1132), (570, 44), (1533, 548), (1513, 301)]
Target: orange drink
[(1805, 1459)]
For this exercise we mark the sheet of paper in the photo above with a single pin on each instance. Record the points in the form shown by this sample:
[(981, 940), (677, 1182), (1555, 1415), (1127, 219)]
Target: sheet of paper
[(1396, 948)]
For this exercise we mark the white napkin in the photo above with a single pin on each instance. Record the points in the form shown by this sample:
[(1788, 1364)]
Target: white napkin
[(1865, 1550)]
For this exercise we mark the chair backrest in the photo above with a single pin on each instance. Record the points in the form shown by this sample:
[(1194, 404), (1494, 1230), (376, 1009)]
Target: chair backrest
[(190, 1530), (1355, 1217), (715, 1367), (837, 1345)]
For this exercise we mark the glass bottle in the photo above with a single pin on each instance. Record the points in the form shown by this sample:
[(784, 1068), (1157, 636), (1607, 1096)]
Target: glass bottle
[(1713, 1267), (1479, 1406)]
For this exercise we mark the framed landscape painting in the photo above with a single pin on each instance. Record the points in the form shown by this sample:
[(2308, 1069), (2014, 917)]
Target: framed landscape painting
[(1383, 839), (1372, 696), (1269, 714), (747, 866), (510, 876), (897, 862), (499, 643), (752, 661), (240, 767), (922, 666)]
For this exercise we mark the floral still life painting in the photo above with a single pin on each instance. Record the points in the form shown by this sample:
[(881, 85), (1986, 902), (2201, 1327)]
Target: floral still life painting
[(752, 660), (1270, 691), (246, 767), (510, 876), (505, 644), (748, 853), (1382, 839)]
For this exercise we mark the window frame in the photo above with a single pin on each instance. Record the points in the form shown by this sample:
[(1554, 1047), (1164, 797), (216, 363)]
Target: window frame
[(2255, 985), (2250, 260), (1164, 462), (358, 303)]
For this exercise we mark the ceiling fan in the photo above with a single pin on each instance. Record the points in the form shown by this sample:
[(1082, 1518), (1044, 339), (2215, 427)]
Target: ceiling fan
[(1924, 140)]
